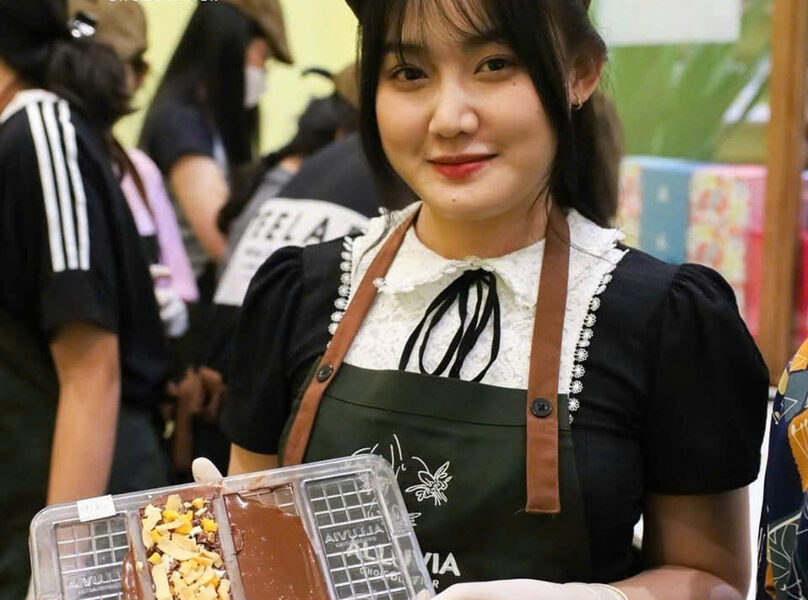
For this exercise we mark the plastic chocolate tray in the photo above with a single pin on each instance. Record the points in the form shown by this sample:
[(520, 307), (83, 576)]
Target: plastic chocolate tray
[(351, 509)]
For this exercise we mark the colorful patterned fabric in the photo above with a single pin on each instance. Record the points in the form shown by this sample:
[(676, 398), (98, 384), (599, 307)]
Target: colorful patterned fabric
[(783, 552)]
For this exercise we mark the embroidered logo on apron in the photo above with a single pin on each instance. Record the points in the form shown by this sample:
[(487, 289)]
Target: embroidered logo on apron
[(432, 489)]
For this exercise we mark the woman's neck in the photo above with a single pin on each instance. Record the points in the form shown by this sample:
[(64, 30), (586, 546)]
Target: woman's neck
[(485, 238)]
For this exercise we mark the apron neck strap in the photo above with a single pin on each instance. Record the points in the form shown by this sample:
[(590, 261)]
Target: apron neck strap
[(543, 495), (542, 411), (340, 344)]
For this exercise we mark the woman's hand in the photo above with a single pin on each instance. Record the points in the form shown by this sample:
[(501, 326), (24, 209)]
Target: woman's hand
[(513, 589), (529, 589), (173, 311)]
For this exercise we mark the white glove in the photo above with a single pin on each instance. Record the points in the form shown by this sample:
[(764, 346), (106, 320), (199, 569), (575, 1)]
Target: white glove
[(529, 589), (205, 471), (173, 311)]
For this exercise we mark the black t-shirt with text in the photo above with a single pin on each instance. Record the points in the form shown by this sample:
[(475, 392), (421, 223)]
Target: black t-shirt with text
[(334, 186)]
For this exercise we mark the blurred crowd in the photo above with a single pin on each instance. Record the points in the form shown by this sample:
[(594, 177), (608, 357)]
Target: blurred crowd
[(143, 255)]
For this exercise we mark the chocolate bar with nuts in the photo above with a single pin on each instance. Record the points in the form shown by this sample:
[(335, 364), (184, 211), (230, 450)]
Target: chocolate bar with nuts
[(184, 552)]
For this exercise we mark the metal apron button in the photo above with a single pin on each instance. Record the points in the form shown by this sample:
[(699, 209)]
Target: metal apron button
[(324, 372), (541, 408)]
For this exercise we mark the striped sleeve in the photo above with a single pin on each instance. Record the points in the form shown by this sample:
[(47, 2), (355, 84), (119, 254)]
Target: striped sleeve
[(63, 191), (58, 218)]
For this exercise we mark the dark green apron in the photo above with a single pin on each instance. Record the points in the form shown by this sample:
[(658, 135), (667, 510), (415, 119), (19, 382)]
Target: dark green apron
[(488, 477)]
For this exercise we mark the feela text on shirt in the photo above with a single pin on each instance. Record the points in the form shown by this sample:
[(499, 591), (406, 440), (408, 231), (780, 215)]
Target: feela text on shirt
[(284, 226)]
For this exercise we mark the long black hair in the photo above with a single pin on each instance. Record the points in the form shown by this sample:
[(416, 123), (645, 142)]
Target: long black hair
[(37, 44), (551, 38), (207, 71), (317, 127)]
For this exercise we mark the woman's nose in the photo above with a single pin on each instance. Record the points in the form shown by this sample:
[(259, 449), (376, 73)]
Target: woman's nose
[(455, 112)]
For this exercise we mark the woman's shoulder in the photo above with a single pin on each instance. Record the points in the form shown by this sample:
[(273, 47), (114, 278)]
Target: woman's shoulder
[(644, 293), (641, 275), (36, 120), (305, 280), (36, 114), (174, 128)]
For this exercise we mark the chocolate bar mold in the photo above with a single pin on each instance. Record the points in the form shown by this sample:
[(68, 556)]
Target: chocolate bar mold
[(352, 510), (89, 557)]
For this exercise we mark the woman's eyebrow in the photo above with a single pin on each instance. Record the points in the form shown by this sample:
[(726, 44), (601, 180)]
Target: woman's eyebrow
[(477, 39), (468, 40), (395, 47)]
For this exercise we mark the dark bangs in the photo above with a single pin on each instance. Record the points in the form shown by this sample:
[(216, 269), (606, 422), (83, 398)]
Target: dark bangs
[(550, 37)]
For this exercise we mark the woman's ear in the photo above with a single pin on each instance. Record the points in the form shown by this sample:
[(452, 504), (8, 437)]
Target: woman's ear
[(584, 81)]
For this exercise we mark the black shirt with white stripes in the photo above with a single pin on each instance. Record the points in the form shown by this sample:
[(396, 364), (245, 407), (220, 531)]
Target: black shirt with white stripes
[(71, 250)]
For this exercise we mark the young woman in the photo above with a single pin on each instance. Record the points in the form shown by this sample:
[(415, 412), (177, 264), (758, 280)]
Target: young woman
[(80, 333), (203, 120), (537, 386)]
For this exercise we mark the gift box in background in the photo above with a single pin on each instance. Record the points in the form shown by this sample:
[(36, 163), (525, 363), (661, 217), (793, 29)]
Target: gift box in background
[(630, 205), (725, 230), (710, 214), (665, 185)]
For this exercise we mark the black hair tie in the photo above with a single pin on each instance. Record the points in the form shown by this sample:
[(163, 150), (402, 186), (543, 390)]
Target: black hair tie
[(467, 333)]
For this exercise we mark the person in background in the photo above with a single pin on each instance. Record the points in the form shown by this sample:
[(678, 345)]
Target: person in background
[(123, 27), (80, 332), (255, 208), (783, 551), (323, 121), (203, 120)]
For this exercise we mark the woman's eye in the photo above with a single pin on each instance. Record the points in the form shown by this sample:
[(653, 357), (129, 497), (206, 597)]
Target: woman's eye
[(496, 64), (408, 74)]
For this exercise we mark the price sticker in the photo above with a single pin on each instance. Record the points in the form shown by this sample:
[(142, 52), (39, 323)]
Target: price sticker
[(93, 509)]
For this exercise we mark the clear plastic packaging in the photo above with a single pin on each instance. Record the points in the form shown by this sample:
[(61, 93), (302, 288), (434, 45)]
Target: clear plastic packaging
[(351, 509)]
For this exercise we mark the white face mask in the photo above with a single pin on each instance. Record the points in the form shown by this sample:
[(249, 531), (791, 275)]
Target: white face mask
[(255, 84)]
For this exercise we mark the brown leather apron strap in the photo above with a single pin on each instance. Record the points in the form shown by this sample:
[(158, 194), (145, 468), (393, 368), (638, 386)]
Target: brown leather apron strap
[(543, 494), (340, 344)]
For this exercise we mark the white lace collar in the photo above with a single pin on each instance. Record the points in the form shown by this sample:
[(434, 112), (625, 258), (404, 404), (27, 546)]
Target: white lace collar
[(416, 265)]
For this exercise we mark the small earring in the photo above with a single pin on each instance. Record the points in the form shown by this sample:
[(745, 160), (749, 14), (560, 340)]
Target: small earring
[(578, 104)]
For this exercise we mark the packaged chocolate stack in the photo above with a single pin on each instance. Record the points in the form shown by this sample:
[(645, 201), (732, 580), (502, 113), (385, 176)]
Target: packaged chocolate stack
[(726, 230), (335, 530), (665, 186), (630, 208)]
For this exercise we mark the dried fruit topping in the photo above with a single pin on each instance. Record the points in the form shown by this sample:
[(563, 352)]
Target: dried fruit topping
[(183, 551)]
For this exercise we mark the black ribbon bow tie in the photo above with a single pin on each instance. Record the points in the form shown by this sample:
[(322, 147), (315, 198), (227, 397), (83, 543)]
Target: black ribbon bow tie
[(486, 308)]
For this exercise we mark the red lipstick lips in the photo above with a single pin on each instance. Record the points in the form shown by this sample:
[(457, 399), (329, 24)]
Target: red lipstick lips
[(460, 166)]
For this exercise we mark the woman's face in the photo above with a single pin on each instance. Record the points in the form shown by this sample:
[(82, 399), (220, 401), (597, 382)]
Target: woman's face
[(462, 124)]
